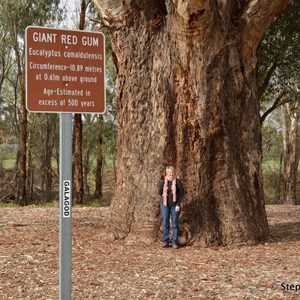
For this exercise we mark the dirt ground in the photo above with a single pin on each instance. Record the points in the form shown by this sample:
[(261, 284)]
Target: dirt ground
[(107, 269)]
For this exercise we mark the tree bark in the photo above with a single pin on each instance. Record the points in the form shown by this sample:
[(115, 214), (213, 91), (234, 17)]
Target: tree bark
[(21, 196), (22, 174), (99, 160), (78, 171), (49, 136), (187, 96), (86, 168)]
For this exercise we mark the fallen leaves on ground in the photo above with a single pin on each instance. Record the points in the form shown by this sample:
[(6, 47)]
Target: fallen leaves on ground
[(107, 269)]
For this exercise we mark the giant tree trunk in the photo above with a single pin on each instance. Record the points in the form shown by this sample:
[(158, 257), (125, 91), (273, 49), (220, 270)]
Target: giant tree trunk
[(290, 115), (187, 96)]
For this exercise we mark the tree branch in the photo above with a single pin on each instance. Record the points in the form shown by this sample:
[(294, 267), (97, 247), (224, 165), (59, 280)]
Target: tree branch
[(114, 13), (255, 21), (277, 61), (266, 81), (118, 13), (278, 102)]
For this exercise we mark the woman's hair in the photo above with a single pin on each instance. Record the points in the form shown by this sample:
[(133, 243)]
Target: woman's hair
[(170, 168)]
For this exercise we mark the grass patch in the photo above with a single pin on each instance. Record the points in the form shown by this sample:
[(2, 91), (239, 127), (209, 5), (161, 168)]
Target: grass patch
[(8, 164), (270, 165), (8, 204), (94, 204), (50, 204)]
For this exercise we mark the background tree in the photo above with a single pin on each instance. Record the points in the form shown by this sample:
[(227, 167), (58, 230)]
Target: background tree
[(272, 157), (18, 15), (93, 143), (87, 149), (77, 136), (81, 166), (7, 109), (106, 128), (290, 136), (99, 159), (14, 29), (187, 95), (278, 81), (5, 54), (44, 137)]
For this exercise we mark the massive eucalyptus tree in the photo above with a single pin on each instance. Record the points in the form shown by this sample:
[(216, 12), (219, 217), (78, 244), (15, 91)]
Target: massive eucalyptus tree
[(187, 96)]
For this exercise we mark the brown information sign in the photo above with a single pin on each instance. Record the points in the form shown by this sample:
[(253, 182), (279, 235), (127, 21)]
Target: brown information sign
[(65, 70)]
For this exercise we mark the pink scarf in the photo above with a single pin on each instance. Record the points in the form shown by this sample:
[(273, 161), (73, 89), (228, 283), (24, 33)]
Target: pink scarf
[(165, 190)]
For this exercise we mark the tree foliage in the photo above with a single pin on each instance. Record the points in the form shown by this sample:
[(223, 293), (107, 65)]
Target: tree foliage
[(279, 60), (17, 15)]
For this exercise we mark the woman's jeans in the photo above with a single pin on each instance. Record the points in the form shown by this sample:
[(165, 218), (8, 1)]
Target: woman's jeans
[(166, 212)]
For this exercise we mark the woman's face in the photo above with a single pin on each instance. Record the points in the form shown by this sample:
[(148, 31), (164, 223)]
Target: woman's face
[(171, 174)]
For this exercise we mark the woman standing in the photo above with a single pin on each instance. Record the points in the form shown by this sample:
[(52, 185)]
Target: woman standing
[(171, 190)]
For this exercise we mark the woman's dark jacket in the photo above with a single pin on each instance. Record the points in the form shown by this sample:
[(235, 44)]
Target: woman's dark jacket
[(179, 191)]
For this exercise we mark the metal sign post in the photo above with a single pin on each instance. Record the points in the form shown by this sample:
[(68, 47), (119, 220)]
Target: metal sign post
[(65, 211)]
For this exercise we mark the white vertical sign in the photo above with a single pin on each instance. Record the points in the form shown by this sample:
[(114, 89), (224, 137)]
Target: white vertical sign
[(67, 197)]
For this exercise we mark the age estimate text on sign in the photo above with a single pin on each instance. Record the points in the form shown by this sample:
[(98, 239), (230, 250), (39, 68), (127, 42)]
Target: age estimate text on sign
[(65, 70)]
